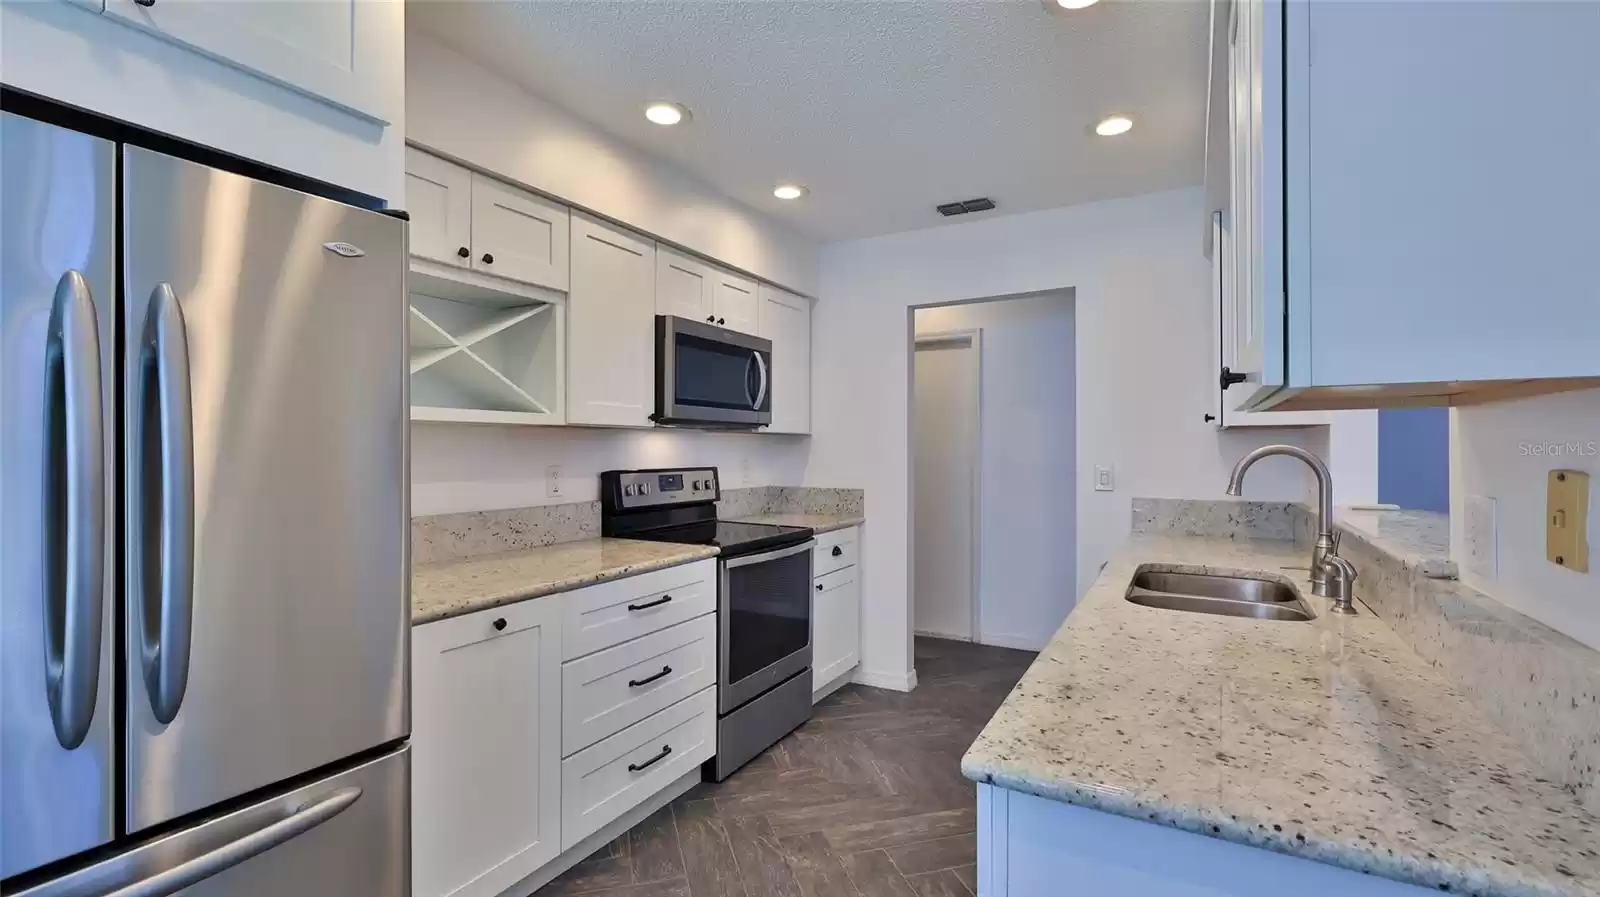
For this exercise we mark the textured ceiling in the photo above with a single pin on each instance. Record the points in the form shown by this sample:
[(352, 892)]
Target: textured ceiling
[(883, 109)]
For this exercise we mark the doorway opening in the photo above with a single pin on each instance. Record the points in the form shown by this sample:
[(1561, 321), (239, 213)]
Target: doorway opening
[(993, 469)]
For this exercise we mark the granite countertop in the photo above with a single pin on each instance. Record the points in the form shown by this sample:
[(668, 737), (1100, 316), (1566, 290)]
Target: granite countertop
[(1329, 740), (452, 588), (822, 523)]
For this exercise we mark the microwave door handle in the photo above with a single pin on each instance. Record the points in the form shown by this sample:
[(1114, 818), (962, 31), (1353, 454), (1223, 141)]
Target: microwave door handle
[(748, 397), (761, 369), (74, 510)]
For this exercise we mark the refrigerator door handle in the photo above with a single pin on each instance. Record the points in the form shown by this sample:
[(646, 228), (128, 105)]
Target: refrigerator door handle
[(74, 510), (202, 867), (162, 474)]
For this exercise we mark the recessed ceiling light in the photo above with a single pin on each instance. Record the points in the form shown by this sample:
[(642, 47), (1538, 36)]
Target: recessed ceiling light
[(666, 113), (789, 191), (1113, 125), (1058, 6)]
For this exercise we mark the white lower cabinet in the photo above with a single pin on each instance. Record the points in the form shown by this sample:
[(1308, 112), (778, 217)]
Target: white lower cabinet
[(835, 610), (486, 741), (612, 677), (603, 781)]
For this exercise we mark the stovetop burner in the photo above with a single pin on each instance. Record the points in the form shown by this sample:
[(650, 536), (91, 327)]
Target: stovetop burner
[(680, 505), (731, 537)]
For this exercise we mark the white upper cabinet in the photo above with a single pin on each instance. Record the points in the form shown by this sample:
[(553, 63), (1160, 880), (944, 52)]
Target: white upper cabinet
[(735, 302), (518, 235), (785, 319), (439, 199), (1429, 251), (685, 286), (611, 325), (332, 50)]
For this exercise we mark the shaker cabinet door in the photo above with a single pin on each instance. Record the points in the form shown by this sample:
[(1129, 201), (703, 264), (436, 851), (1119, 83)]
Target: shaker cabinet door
[(518, 235), (785, 319), (735, 303), (439, 199), (684, 286), (610, 326)]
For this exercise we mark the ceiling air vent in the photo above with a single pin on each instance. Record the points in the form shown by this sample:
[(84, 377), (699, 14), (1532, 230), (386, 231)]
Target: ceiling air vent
[(981, 204)]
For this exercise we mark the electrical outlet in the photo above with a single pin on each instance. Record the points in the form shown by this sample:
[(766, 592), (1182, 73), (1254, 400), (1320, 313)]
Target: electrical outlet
[(1479, 537), (552, 481), (1105, 479)]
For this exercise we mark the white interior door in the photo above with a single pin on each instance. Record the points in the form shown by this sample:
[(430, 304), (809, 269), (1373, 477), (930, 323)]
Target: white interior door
[(945, 465)]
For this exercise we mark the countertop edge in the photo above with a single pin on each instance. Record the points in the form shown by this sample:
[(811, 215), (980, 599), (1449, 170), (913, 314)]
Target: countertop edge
[(835, 523), (691, 554)]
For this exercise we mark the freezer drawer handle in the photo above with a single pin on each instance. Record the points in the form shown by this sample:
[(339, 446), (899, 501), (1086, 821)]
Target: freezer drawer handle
[(202, 867), (162, 481), (640, 767), (74, 510)]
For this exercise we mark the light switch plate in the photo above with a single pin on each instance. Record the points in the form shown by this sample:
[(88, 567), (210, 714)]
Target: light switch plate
[(552, 482), (1480, 536), (1567, 520), (1105, 479)]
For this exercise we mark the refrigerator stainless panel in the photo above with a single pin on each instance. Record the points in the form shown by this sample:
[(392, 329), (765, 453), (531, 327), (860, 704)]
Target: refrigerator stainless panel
[(266, 522), (57, 207), (347, 835)]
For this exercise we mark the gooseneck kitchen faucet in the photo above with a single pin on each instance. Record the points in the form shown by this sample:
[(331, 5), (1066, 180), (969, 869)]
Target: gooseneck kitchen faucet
[(1331, 576)]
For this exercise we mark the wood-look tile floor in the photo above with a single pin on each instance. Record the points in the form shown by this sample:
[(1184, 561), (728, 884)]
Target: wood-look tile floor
[(864, 800)]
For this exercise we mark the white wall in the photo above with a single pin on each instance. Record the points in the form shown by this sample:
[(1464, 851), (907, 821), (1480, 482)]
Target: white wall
[(69, 54), (470, 468), (1144, 374), (1506, 452), (459, 109), (1027, 536)]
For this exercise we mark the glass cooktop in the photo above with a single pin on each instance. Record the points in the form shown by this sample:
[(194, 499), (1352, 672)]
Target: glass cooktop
[(727, 536)]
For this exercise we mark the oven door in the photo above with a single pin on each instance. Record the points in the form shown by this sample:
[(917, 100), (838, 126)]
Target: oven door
[(711, 376), (765, 625)]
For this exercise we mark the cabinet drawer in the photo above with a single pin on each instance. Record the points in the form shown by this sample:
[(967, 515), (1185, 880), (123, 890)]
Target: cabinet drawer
[(600, 616), (835, 551), (610, 690), (602, 782)]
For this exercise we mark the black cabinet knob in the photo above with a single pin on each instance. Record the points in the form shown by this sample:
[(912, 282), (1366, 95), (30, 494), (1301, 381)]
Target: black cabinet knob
[(819, 586), (711, 319), (722, 320), (145, 3), (1229, 378), (499, 624), (1210, 418), (837, 551), (488, 259), (462, 252)]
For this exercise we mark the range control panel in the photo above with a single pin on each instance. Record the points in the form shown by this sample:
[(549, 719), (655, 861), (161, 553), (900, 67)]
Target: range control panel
[(632, 489)]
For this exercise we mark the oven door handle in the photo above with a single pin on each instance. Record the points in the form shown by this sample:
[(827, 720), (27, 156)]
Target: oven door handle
[(762, 558)]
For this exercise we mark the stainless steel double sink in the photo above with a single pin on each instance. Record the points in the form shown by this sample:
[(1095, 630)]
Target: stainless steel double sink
[(1228, 596)]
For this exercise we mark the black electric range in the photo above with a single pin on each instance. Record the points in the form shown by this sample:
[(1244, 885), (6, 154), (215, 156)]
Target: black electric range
[(764, 585)]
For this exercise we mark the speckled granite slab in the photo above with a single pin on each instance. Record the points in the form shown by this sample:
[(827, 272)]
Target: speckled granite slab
[(446, 537), (1540, 687), (1329, 740), (451, 588), (756, 501), (822, 523), (1222, 519)]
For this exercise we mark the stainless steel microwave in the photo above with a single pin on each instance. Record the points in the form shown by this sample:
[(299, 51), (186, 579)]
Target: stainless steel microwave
[(708, 376)]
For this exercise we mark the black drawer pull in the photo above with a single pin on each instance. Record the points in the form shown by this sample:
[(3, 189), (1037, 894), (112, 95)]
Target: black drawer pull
[(649, 604), (635, 683), (640, 767), (837, 551), (499, 624)]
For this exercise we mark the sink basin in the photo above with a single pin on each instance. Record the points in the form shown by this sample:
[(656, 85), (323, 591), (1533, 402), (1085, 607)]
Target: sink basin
[(1228, 596)]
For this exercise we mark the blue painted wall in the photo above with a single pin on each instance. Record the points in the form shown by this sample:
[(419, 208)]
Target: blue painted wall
[(1414, 458)]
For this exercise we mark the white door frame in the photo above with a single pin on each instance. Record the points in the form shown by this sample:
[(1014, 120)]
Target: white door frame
[(974, 337)]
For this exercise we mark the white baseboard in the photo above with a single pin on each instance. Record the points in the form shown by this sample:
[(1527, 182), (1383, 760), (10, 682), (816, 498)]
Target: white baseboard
[(580, 851), (894, 681), (1022, 642), (832, 685)]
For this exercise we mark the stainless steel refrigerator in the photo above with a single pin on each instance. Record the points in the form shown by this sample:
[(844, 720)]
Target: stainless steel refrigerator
[(203, 530)]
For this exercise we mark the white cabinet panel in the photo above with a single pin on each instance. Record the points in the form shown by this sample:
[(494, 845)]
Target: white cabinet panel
[(439, 199), (834, 551), (685, 286), (602, 782), (518, 235), (836, 630), (611, 613), (606, 692), (734, 302), (610, 326), (785, 319), (486, 737), (332, 49)]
